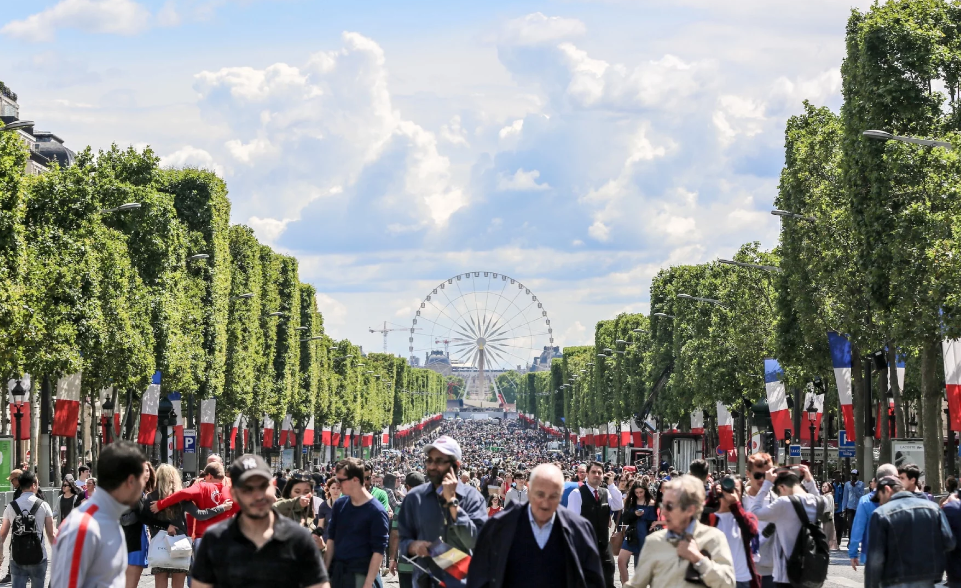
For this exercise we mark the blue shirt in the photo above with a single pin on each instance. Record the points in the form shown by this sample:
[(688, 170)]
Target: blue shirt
[(541, 534), (839, 498), (859, 528), (358, 532), (568, 488), (852, 493)]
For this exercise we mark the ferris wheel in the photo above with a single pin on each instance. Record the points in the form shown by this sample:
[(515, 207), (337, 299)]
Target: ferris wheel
[(479, 325)]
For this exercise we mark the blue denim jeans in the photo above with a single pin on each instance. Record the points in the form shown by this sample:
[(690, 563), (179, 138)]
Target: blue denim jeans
[(20, 574)]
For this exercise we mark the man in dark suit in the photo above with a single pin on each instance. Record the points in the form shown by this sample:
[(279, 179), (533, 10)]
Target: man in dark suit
[(592, 501), (537, 545)]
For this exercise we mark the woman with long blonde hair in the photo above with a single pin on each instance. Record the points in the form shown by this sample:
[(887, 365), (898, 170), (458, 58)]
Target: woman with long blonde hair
[(168, 482)]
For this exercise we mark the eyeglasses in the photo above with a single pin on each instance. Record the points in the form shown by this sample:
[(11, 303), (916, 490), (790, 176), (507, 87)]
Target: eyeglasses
[(341, 480), (758, 475), (670, 506), (300, 476), (439, 461)]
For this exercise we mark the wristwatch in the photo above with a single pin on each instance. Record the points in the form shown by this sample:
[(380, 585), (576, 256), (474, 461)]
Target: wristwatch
[(452, 502)]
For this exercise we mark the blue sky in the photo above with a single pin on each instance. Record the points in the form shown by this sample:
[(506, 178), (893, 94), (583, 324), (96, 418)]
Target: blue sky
[(576, 146)]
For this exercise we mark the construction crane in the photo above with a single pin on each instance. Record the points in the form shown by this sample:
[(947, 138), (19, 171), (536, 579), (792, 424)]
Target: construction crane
[(446, 343), (385, 330)]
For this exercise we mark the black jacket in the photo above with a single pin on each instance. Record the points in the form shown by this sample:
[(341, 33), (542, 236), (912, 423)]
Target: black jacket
[(583, 563)]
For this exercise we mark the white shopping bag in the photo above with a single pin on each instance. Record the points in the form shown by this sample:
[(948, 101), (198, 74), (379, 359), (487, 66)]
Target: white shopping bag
[(179, 545), (159, 556)]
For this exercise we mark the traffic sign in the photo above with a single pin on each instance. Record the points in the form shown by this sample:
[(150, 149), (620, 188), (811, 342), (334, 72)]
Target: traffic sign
[(845, 445), (190, 440), (795, 451)]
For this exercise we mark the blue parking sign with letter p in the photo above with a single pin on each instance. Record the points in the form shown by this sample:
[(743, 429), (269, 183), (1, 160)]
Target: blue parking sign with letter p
[(190, 441)]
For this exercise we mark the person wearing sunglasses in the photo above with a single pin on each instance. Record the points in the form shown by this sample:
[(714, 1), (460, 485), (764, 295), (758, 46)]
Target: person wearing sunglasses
[(687, 551), (757, 465), (357, 535)]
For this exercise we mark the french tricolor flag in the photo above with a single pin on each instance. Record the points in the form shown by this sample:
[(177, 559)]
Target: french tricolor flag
[(367, 440), (697, 421), (818, 401), (285, 428), (177, 401), (325, 436), (952, 380), (841, 360), (385, 436), (335, 436), (25, 383), (637, 435), (208, 423), (149, 406), (777, 398), (268, 432), (625, 433), (66, 413), (725, 427), (309, 432), (613, 435), (347, 439), (239, 424)]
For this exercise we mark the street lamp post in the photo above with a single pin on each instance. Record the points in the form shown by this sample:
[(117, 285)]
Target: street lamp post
[(19, 394), (16, 125), (164, 411), (812, 418), (886, 136), (122, 207), (767, 268)]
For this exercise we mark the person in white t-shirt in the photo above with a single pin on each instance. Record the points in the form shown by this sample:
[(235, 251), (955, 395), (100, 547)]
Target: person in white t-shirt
[(36, 572), (740, 528)]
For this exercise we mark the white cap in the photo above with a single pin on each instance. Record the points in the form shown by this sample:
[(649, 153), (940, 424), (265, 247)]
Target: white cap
[(446, 445)]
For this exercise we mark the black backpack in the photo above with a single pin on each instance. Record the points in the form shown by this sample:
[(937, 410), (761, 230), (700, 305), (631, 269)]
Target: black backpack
[(27, 544), (808, 565)]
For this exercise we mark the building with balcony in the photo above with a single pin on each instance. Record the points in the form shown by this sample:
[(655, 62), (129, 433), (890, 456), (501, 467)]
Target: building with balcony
[(45, 147)]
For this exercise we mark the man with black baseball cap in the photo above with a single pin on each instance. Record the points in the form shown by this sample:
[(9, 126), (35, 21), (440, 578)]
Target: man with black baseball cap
[(257, 547)]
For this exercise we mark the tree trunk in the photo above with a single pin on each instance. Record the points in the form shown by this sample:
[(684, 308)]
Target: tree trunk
[(94, 425), (931, 393), (857, 401), (883, 421), (35, 431), (900, 423)]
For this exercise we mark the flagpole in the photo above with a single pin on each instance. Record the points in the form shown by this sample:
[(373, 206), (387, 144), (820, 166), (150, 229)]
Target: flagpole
[(428, 572)]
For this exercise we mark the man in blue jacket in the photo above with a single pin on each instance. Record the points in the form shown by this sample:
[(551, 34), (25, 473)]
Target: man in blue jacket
[(909, 535), (538, 544), (952, 511), (858, 537)]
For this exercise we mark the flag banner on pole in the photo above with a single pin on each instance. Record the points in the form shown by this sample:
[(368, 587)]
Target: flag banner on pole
[(335, 435), (841, 360), (268, 432), (697, 421), (309, 432), (177, 401), (238, 425), (66, 413), (777, 398), (725, 427), (347, 439), (208, 423), (625, 433), (367, 440), (637, 435), (285, 428), (600, 436), (25, 383), (385, 436), (818, 400), (149, 406), (613, 435), (449, 559), (952, 380), (325, 436)]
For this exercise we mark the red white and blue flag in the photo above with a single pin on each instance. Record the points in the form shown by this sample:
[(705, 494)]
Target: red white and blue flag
[(952, 380), (452, 561), (268, 432), (841, 360), (240, 423), (385, 436), (149, 406), (777, 398), (697, 421), (285, 428), (66, 413), (325, 436), (309, 432), (725, 427), (208, 423)]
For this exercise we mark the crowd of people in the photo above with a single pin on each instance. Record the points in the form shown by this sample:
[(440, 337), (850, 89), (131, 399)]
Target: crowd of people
[(479, 504)]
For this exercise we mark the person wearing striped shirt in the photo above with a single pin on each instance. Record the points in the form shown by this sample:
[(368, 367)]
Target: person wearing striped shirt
[(90, 550)]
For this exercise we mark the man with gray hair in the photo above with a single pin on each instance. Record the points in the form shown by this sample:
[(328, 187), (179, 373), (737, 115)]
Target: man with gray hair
[(521, 546), (686, 538), (858, 537)]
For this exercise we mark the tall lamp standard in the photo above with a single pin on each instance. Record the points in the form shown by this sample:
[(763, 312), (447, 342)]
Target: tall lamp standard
[(812, 418), (106, 415), (19, 395)]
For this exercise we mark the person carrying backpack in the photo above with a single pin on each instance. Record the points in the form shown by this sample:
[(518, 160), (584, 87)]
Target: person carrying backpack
[(801, 555), (26, 518)]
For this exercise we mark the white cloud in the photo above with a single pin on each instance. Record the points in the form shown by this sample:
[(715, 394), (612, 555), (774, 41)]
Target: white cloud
[(193, 157), (537, 28), (116, 17), (521, 181), (512, 130), (268, 230), (453, 133), (334, 311), (737, 116), (247, 152)]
